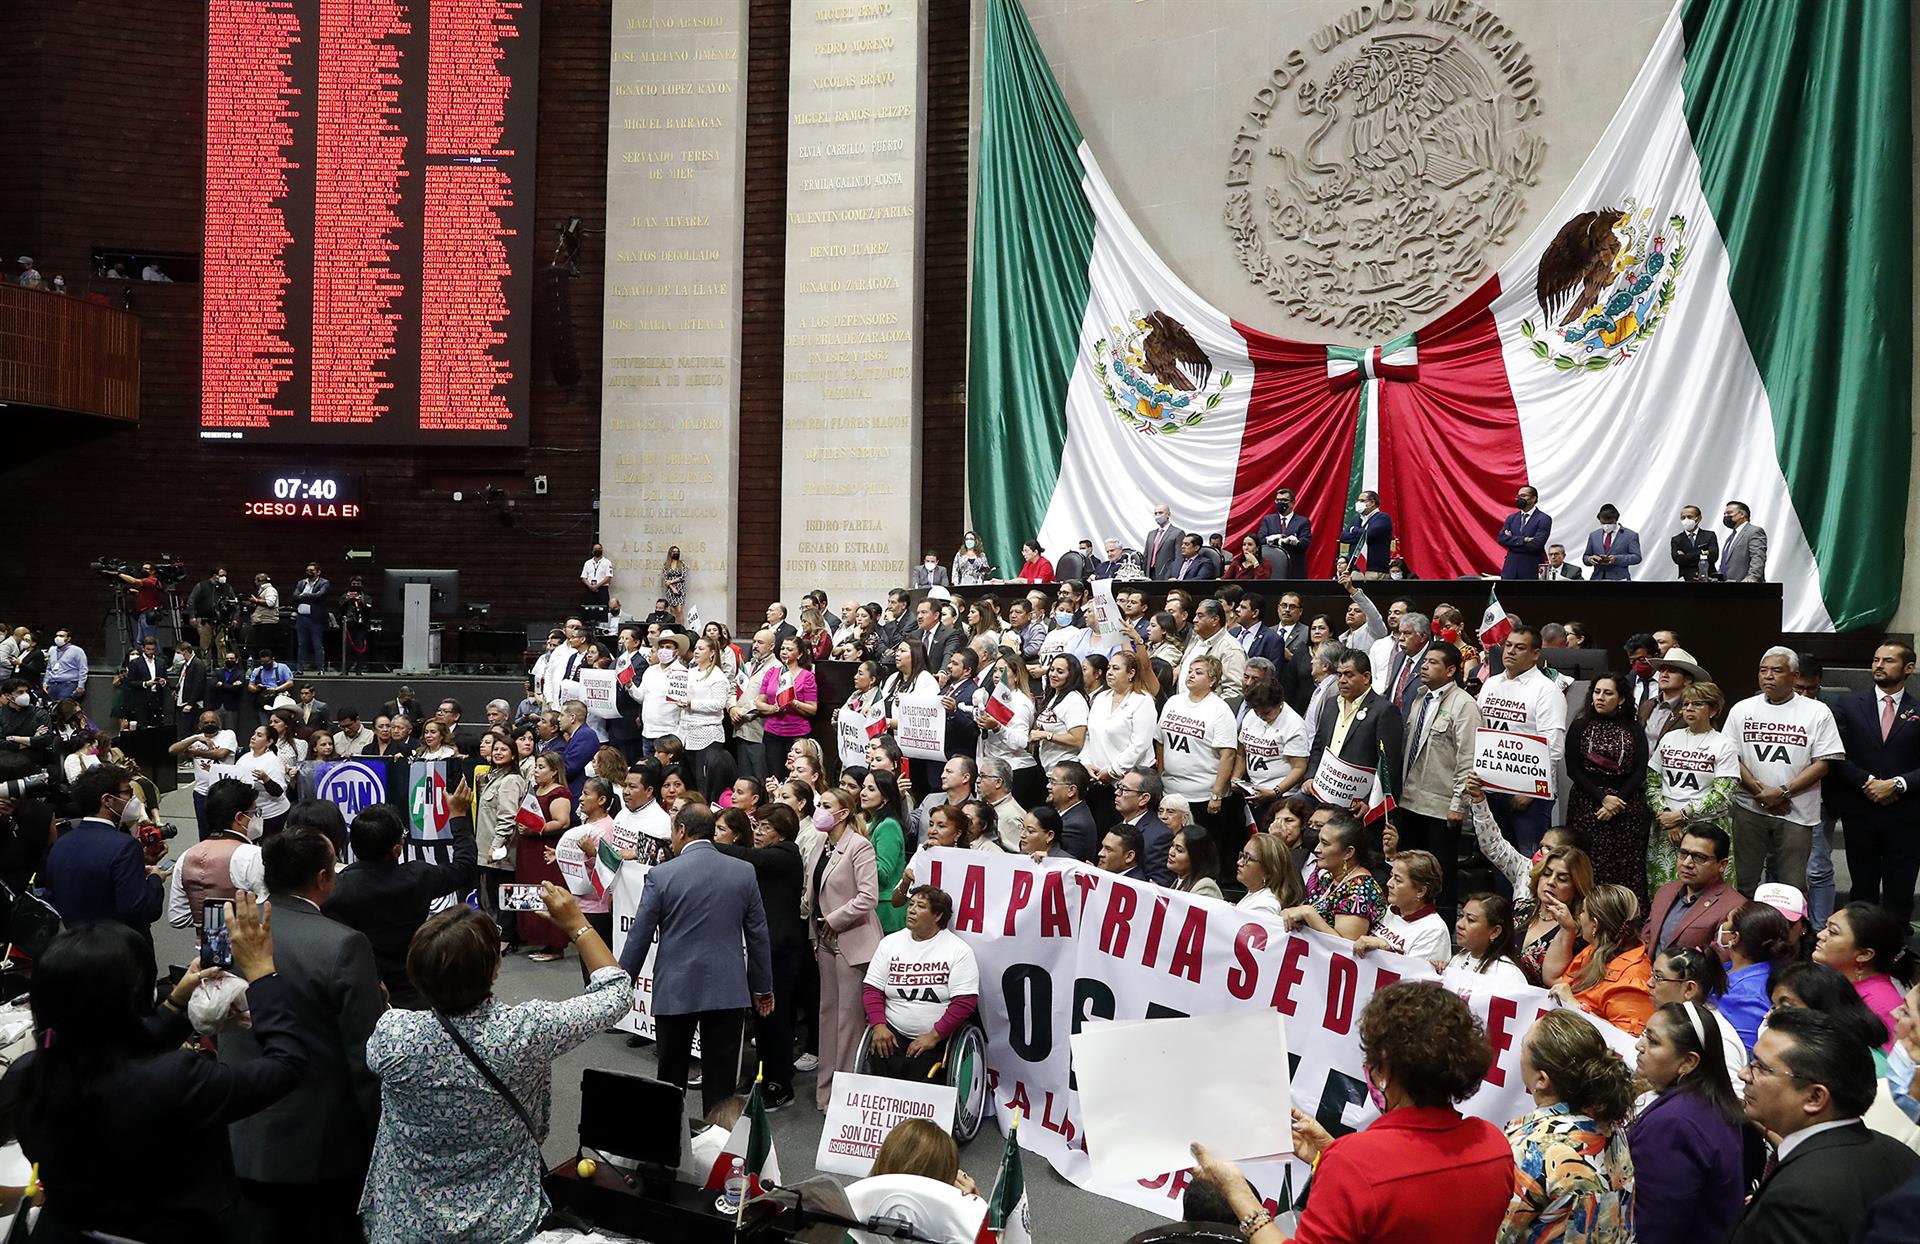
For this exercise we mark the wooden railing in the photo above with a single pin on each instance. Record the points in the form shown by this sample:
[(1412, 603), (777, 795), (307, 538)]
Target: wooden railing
[(62, 352)]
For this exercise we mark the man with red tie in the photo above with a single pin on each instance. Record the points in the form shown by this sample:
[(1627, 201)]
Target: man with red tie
[(1875, 788), (1613, 549)]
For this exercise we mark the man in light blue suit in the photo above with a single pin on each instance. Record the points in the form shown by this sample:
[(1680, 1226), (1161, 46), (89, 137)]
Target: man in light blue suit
[(1612, 548), (703, 905)]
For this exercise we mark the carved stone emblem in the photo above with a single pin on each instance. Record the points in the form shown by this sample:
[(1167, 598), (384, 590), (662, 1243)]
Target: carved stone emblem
[(1380, 163)]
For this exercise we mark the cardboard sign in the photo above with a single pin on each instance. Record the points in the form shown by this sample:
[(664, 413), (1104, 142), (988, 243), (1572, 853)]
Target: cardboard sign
[(600, 689), (1512, 763), (922, 731), (628, 884), (1339, 783), (855, 729), (865, 1108), (1106, 613)]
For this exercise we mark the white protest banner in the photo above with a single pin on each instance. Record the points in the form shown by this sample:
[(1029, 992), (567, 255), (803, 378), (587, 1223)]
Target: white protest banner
[(922, 731), (865, 1108), (1513, 763), (628, 884), (1140, 1126), (600, 689), (855, 729), (1106, 612), (1133, 951), (1339, 783), (677, 677)]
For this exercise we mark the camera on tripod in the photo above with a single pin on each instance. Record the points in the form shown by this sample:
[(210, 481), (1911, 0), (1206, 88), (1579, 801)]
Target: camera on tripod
[(109, 566)]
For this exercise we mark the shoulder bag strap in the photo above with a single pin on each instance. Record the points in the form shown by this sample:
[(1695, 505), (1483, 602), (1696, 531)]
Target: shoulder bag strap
[(499, 1086)]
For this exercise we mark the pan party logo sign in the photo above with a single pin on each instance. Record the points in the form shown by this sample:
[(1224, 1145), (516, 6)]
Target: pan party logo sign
[(1372, 173), (351, 785)]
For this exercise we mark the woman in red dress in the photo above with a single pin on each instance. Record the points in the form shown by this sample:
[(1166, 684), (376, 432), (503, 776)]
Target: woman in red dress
[(1247, 563), (530, 865)]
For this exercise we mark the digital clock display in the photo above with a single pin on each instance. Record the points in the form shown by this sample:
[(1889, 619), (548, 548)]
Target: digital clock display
[(317, 495)]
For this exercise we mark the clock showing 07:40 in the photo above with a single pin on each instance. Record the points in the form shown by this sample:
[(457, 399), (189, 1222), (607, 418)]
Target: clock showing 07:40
[(316, 495)]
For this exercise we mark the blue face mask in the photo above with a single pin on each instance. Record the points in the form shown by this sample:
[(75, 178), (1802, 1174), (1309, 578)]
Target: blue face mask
[(1063, 617)]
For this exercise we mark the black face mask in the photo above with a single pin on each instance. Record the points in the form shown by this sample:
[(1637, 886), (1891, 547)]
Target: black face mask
[(1284, 507)]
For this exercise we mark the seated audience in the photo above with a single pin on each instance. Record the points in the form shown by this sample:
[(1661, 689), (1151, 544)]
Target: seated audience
[(1609, 977), (1575, 1172), (1190, 859), (1754, 940), (1342, 897), (1867, 945), (1686, 1142), (1410, 925), (1690, 975), (1484, 931), (921, 987), (1265, 868)]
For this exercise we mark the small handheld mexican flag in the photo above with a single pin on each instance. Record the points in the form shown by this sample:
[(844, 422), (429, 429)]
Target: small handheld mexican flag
[(1007, 1210), (877, 727), (1380, 799), (530, 817), (625, 676), (752, 1142), (1496, 623), (1000, 704)]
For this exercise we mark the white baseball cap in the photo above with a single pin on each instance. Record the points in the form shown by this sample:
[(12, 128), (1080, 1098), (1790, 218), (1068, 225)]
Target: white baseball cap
[(1784, 899)]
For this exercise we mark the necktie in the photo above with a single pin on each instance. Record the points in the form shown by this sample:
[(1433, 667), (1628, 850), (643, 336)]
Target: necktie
[(1886, 717), (1420, 724), (1402, 678), (1606, 544), (1726, 554)]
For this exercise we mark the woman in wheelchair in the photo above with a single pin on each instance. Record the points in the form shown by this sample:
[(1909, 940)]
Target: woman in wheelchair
[(922, 986)]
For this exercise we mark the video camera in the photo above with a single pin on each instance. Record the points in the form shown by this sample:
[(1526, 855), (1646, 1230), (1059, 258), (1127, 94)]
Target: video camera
[(167, 569)]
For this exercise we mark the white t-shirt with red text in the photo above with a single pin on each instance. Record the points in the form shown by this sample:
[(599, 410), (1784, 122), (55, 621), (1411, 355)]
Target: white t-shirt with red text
[(920, 978)]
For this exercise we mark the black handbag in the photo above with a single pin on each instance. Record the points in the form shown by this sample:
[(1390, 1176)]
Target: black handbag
[(30, 923)]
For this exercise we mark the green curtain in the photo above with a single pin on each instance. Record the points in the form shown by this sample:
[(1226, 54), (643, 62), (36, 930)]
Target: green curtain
[(1801, 115)]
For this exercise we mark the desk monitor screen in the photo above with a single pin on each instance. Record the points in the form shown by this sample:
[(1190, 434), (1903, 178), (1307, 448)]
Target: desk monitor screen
[(631, 1116), (443, 594)]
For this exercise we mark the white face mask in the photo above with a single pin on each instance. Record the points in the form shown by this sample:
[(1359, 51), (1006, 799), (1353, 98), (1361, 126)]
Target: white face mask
[(1359, 507), (22, 700), (665, 655), (134, 812), (1689, 525), (969, 543), (59, 643), (1610, 528), (1160, 520)]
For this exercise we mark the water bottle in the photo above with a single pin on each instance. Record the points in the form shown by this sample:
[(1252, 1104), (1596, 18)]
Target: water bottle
[(736, 1189)]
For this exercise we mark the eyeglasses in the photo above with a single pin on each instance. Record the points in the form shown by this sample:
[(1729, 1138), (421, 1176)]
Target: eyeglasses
[(1247, 858), (1128, 790), (1755, 1067), (1655, 978), (1692, 857)]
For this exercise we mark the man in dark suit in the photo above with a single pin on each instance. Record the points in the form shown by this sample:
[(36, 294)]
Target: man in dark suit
[(956, 697), (782, 629), (1193, 562), (144, 683), (96, 872), (582, 743), (1875, 788), (1696, 549), (1361, 727), (1121, 851), (1613, 549), (781, 874), (1136, 798), (623, 728), (702, 904), (309, 710), (1284, 537), (189, 693), (1296, 656), (1067, 792), (896, 623), (302, 1161), (389, 900), (1524, 536), (1690, 910), (405, 703), (1558, 567), (1808, 1083), (1368, 538), (1400, 680), (1160, 551), (1256, 638), (936, 640)]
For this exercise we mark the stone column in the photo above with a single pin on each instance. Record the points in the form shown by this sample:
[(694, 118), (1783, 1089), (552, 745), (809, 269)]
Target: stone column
[(670, 392), (849, 516)]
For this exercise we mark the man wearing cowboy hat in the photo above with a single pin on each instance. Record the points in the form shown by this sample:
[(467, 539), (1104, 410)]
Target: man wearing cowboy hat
[(663, 688), (1673, 672)]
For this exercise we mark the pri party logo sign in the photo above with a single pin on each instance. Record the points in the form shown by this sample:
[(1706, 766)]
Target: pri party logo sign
[(427, 800)]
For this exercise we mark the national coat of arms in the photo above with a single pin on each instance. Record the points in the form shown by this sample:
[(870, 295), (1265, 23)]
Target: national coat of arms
[(1604, 284), (1155, 376)]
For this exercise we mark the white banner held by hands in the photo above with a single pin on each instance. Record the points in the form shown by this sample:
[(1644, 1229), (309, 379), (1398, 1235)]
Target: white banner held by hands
[(922, 731), (599, 689), (865, 1108), (1106, 612)]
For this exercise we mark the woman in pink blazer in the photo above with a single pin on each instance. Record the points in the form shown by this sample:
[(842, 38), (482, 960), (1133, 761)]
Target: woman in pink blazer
[(846, 931)]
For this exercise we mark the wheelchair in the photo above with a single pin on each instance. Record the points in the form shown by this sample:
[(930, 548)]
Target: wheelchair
[(963, 1065)]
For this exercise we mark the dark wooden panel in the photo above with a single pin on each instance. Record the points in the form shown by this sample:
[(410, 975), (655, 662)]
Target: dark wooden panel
[(65, 353), (105, 103)]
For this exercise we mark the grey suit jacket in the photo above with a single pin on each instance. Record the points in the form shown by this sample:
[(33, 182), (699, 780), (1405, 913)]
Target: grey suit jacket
[(1745, 554), (1438, 772), (324, 1128), (1163, 562), (702, 904)]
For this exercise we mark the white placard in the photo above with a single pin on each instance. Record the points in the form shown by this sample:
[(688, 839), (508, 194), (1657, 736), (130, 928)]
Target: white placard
[(1339, 783), (599, 688), (677, 677), (571, 857), (1106, 612), (922, 731), (853, 736), (1514, 764), (864, 1109), (628, 884), (1139, 1127)]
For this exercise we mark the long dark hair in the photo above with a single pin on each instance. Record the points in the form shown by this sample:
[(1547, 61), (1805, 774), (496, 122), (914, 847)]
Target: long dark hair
[(1497, 911), (888, 784), (1076, 683), (1693, 1030), (89, 998), (1621, 686), (1824, 989)]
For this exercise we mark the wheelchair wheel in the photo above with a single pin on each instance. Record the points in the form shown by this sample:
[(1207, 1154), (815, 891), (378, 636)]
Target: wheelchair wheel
[(863, 1057), (967, 1073)]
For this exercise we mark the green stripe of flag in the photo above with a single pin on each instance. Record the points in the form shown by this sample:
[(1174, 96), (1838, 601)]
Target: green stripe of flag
[(1801, 116), (1033, 239)]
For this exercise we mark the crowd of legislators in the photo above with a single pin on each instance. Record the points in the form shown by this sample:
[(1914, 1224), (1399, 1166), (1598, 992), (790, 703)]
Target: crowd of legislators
[(1681, 888)]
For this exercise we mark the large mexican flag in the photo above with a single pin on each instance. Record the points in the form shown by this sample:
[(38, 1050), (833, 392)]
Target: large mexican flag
[(1718, 308)]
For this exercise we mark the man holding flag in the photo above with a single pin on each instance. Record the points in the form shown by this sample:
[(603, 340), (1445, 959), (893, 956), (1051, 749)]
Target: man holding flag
[(702, 904), (1521, 700)]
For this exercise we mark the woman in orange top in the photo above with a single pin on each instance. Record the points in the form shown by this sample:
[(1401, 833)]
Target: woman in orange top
[(1611, 976)]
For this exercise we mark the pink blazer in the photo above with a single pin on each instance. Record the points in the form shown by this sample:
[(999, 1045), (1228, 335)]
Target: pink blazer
[(849, 895)]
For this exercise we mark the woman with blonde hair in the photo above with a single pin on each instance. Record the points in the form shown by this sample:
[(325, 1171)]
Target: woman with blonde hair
[(1574, 1176), (1009, 742), (815, 634), (1610, 977), (1548, 891), (1265, 867), (673, 583), (1674, 773)]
